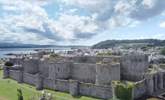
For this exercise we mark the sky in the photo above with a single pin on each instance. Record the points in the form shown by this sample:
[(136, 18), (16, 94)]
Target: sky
[(80, 22)]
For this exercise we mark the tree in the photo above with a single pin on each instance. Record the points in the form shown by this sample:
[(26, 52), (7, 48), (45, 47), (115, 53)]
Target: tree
[(162, 51), (8, 64), (19, 94), (123, 90)]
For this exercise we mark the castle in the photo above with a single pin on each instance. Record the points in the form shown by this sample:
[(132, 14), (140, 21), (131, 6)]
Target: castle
[(88, 75)]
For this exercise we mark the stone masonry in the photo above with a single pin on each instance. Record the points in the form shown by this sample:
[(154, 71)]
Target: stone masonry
[(89, 75)]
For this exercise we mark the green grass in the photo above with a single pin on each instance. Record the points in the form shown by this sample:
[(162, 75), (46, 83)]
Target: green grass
[(8, 91)]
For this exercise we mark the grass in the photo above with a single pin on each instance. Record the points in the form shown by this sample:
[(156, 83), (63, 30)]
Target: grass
[(8, 91)]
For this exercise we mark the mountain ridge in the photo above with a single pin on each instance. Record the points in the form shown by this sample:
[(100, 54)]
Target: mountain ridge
[(112, 43)]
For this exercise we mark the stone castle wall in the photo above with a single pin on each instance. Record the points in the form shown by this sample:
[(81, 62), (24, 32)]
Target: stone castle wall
[(95, 90), (133, 67), (84, 72), (14, 74), (31, 66), (80, 88), (48, 83), (85, 76), (44, 67), (86, 59), (93, 59), (75, 78), (29, 78), (140, 89), (105, 73), (59, 70), (72, 86), (62, 85), (16, 61)]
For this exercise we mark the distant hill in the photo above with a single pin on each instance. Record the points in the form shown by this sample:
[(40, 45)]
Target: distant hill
[(113, 43)]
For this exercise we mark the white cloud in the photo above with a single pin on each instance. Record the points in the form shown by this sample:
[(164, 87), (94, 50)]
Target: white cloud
[(108, 10), (68, 28), (76, 19), (137, 9), (148, 3), (162, 24), (21, 14), (122, 7), (32, 18), (163, 13), (147, 9), (159, 36), (27, 38)]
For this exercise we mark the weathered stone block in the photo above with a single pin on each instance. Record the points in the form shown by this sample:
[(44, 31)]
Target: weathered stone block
[(134, 66), (73, 87), (20, 76), (30, 66), (83, 72), (105, 73), (39, 82), (5, 72)]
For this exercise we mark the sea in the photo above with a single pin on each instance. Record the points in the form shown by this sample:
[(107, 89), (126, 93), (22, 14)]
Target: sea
[(4, 51)]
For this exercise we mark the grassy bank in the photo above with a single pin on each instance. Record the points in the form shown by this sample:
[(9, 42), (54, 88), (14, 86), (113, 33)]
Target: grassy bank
[(8, 91)]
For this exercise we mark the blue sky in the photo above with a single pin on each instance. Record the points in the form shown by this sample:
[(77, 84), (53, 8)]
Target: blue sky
[(80, 22)]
